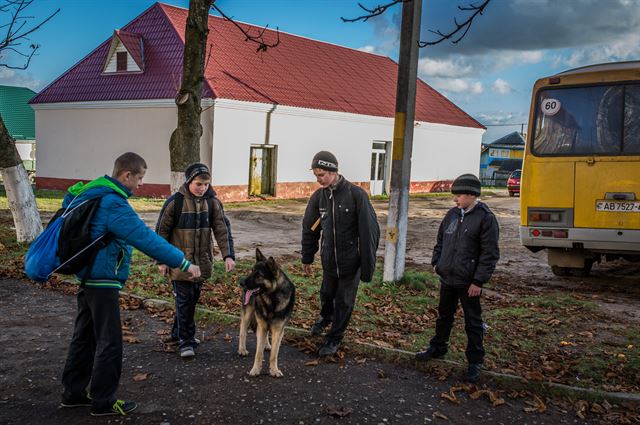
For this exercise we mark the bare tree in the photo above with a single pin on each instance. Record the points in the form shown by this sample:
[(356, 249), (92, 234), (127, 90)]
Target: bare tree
[(15, 44), (184, 146), (464, 26)]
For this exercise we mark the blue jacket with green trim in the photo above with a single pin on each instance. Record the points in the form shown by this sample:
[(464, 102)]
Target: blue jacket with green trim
[(114, 215)]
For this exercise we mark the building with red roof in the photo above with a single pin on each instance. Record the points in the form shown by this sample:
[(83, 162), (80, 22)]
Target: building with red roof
[(264, 114)]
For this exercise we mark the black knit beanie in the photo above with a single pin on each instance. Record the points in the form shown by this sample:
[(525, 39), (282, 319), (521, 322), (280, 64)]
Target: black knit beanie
[(325, 161), (466, 184), (195, 170)]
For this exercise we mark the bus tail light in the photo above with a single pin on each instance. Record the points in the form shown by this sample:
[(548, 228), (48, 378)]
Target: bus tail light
[(550, 233), (546, 216)]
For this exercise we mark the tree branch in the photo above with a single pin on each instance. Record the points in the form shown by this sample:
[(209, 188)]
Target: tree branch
[(258, 39), (378, 10), (17, 29), (464, 27)]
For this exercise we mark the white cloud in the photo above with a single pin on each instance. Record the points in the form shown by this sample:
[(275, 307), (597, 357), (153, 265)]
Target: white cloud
[(627, 48), (10, 77), (368, 49), (501, 86), (444, 68), (502, 117), (456, 85)]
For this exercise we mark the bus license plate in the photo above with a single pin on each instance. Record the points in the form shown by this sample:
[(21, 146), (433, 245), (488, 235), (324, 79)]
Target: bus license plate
[(617, 206)]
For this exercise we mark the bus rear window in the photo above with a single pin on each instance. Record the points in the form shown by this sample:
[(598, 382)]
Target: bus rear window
[(597, 120)]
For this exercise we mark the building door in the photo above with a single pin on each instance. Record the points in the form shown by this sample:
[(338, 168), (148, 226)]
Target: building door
[(262, 170), (378, 168)]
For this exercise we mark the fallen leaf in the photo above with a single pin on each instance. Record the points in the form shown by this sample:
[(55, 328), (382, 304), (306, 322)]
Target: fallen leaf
[(140, 377), (315, 362), (451, 396), (130, 339), (339, 412), (228, 338), (381, 374), (534, 376), (361, 360), (439, 415)]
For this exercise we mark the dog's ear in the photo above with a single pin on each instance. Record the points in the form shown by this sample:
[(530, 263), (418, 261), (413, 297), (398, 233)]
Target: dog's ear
[(273, 266), (260, 256)]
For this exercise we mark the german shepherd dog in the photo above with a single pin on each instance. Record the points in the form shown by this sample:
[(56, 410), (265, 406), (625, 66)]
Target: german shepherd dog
[(267, 304)]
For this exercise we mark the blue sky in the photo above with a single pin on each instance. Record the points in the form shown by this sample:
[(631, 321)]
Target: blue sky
[(489, 74)]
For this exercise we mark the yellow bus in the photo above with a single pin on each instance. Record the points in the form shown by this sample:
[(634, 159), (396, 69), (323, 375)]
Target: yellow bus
[(580, 187)]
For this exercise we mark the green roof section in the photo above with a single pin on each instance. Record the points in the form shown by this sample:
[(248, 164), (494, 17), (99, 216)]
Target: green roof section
[(17, 114)]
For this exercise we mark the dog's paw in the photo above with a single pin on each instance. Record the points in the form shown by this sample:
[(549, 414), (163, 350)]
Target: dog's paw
[(276, 373), (267, 347), (243, 352), (255, 371)]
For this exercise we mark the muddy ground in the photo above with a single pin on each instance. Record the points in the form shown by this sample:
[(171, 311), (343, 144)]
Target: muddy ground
[(214, 388)]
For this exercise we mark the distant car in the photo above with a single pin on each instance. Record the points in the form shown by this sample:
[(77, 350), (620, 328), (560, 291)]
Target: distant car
[(513, 183)]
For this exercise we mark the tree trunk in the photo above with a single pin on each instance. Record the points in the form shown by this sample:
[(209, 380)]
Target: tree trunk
[(184, 146), (22, 201)]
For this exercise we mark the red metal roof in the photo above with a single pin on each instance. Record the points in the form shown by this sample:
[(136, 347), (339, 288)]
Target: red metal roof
[(133, 44), (299, 72)]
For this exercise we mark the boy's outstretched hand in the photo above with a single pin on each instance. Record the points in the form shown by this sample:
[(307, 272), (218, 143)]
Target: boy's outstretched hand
[(229, 264), (163, 269), (194, 271)]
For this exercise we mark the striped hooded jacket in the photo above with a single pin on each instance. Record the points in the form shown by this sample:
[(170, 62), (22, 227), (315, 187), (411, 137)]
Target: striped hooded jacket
[(191, 232)]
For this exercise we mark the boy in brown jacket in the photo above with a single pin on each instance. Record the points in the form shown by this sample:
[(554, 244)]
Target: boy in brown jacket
[(186, 221)]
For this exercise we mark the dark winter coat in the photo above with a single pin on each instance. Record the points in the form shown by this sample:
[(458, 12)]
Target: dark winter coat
[(467, 248), (191, 232), (348, 231)]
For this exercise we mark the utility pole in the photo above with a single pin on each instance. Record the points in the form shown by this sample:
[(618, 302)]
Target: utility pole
[(396, 238)]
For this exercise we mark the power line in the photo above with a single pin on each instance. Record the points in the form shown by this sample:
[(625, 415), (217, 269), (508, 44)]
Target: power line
[(505, 125)]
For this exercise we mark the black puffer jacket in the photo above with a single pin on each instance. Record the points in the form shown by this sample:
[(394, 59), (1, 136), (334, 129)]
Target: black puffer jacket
[(349, 230), (467, 248)]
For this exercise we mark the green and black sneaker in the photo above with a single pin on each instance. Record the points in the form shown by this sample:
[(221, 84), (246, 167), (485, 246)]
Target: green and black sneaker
[(120, 407)]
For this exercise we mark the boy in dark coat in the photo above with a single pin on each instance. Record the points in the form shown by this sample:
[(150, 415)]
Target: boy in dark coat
[(189, 229), (464, 257), (340, 215)]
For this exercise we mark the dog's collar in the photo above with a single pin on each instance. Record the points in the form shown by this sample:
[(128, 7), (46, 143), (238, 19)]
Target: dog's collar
[(249, 294)]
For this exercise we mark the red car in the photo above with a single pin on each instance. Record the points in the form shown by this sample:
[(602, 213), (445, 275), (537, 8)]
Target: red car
[(513, 183)]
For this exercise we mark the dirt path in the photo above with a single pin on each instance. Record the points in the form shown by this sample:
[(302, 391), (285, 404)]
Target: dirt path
[(214, 388), (277, 229)]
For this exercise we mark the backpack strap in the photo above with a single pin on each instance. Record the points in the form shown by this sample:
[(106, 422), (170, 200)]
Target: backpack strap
[(178, 202)]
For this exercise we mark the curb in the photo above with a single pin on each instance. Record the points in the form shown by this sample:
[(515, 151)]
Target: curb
[(406, 358)]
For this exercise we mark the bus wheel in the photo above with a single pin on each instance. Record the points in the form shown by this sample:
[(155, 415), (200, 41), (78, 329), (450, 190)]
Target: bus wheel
[(583, 272), (561, 271)]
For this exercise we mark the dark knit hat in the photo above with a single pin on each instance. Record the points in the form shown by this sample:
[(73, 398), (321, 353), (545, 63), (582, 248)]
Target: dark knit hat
[(195, 170), (466, 184), (325, 161)]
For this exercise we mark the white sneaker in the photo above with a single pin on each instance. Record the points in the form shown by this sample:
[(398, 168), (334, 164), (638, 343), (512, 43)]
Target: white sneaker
[(187, 352)]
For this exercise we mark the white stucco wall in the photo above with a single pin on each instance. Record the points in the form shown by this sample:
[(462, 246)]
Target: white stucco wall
[(81, 141), (440, 151)]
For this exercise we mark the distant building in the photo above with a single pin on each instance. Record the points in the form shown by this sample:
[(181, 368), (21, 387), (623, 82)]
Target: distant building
[(500, 157), (19, 118), (264, 114)]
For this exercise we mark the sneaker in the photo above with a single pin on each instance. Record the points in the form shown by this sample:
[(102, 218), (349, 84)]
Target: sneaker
[(120, 407), (171, 340), (428, 354), (187, 352), (329, 348), (318, 327), (76, 401), (473, 372)]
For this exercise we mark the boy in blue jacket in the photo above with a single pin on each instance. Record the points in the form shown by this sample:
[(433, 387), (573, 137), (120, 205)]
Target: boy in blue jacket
[(95, 352)]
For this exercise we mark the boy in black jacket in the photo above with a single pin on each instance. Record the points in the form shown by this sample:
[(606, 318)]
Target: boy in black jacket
[(340, 216), (464, 257)]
